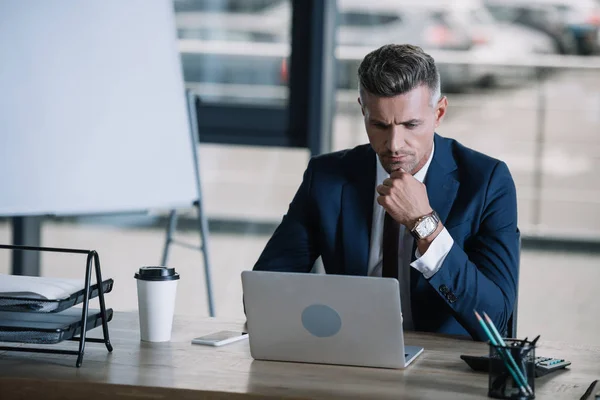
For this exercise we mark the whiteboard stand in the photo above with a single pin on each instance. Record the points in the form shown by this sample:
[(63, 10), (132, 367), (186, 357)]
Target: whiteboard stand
[(26, 231), (192, 98)]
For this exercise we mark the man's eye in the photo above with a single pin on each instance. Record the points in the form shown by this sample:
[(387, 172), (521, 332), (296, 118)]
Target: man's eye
[(411, 126), (380, 126)]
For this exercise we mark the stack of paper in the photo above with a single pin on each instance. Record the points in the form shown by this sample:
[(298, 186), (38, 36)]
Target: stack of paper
[(38, 287)]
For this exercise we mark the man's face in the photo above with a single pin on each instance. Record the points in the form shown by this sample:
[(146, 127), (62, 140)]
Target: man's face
[(401, 128)]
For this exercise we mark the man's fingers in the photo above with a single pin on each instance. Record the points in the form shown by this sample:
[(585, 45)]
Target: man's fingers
[(382, 200), (383, 190), (398, 174), (388, 182)]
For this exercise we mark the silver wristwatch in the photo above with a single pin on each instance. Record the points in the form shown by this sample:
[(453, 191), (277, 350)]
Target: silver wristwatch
[(425, 226)]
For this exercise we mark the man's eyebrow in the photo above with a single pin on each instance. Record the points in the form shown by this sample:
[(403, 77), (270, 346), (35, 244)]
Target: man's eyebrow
[(414, 121), (377, 121)]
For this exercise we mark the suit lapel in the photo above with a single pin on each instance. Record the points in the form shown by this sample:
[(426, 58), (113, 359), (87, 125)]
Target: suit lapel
[(440, 181), (357, 213), (441, 190)]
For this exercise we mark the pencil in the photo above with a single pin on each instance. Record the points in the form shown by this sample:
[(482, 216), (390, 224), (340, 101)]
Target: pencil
[(502, 354), (510, 357)]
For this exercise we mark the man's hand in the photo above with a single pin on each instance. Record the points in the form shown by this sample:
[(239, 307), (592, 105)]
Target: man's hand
[(404, 198)]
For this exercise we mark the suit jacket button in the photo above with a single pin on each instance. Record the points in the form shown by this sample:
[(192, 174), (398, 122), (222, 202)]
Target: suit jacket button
[(444, 289), (451, 297)]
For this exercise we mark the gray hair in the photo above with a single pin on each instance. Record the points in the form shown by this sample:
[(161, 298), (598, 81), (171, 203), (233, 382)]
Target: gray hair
[(396, 69)]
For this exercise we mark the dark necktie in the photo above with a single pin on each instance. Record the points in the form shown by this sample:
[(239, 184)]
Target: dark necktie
[(390, 267), (391, 233)]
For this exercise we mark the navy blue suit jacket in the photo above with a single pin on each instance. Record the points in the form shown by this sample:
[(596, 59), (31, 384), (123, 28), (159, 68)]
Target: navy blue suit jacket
[(330, 216)]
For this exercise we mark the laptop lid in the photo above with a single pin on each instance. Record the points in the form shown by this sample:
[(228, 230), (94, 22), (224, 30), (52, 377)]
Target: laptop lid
[(328, 319)]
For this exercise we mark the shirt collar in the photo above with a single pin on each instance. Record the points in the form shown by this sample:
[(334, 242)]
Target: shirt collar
[(420, 176)]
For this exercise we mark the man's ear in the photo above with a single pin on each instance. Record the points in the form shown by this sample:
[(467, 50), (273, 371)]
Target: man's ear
[(440, 111), (362, 109)]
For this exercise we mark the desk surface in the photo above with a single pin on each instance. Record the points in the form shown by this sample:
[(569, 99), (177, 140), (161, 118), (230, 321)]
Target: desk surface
[(180, 370)]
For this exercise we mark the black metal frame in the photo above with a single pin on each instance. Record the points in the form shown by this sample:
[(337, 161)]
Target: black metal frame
[(92, 258), (244, 124), (312, 74), (305, 120)]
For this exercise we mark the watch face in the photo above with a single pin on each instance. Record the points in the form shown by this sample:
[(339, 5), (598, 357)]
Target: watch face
[(426, 227)]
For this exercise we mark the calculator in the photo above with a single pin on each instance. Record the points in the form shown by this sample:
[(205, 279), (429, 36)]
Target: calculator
[(543, 365)]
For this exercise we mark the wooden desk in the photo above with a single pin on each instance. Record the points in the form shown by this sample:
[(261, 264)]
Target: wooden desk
[(179, 370)]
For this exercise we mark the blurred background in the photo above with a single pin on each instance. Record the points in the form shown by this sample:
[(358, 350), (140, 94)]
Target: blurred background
[(523, 83)]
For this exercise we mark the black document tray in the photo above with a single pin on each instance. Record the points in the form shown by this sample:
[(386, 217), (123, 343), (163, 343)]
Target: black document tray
[(43, 328), (26, 304)]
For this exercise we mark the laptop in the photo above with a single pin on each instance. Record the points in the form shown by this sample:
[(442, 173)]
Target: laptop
[(325, 319)]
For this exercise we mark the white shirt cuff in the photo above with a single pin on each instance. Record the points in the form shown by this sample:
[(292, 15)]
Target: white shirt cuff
[(430, 262)]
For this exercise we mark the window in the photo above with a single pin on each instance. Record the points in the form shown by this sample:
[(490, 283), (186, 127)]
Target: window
[(235, 51), (365, 19), (504, 14), (248, 6)]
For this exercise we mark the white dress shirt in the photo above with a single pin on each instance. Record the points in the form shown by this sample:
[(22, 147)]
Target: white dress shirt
[(427, 264)]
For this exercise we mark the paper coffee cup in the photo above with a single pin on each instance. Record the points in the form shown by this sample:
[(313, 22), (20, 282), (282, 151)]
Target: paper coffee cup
[(157, 290)]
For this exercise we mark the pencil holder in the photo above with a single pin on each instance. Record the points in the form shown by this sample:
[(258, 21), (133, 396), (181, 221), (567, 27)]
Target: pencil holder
[(512, 370)]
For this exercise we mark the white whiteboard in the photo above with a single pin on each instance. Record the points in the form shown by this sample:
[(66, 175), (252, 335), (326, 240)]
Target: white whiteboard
[(92, 108)]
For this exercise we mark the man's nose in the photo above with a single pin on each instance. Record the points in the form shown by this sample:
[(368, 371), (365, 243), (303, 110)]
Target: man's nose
[(396, 138)]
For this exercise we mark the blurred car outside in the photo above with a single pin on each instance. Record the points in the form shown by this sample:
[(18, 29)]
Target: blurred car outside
[(540, 17), (371, 25), (465, 28), (462, 29), (494, 42), (375, 24), (582, 18), (238, 50), (250, 50)]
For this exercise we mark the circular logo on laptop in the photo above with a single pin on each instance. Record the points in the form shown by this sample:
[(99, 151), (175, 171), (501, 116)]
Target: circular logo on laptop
[(321, 320)]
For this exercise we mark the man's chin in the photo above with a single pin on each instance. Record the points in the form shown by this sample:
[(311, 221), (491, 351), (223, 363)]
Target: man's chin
[(390, 168)]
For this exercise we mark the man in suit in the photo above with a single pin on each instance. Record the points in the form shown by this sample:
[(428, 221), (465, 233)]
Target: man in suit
[(412, 205)]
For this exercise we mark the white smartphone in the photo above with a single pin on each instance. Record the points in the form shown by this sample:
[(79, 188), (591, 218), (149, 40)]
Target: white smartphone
[(220, 338)]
